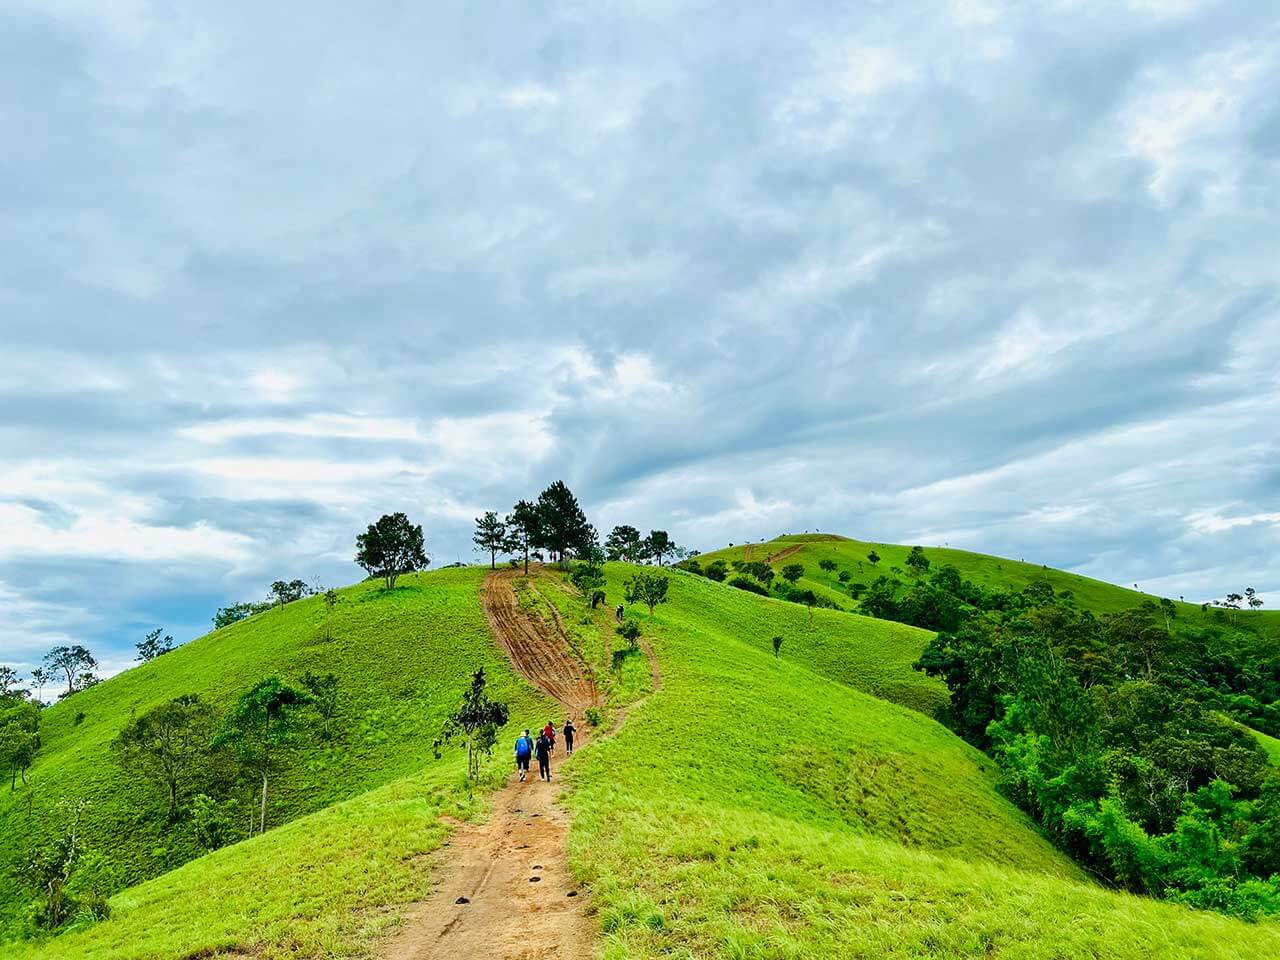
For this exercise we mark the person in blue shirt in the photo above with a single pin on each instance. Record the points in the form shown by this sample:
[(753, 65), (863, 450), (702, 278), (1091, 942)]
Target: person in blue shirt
[(524, 752)]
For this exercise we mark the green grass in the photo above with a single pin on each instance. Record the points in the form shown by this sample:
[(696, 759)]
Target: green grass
[(803, 806), (983, 569), (768, 808), (1270, 744), (403, 659)]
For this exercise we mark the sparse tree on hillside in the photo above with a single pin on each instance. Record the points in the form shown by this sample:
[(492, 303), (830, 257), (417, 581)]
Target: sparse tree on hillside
[(777, 646), (917, 561), (717, 570), (657, 545), (647, 588), (844, 576), (8, 682), (166, 744), (490, 536), (19, 737), (331, 600), (1170, 612), (792, 572), (261, 725), (72, 661), (1252, 599), (562, 526), (324, 690), (624, 543), (391, 547), (153, 645), (873, 558), (827, 566), (523, 531), (287, 592), (477, 721), (629, 631), (39, 680)]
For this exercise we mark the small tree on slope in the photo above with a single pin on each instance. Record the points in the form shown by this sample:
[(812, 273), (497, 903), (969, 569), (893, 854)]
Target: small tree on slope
[(647, 588), (166, 743), (477, 721), (261, 725)]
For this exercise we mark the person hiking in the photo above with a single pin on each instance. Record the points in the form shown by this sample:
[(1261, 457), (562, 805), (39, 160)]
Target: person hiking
[(617, 613), (549, 731), (524, 750), (543, 750), (569, 731)]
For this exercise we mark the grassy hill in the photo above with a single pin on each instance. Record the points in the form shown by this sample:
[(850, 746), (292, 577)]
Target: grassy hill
[(983, 569), (403, 660), (752, 807), (764, 808)]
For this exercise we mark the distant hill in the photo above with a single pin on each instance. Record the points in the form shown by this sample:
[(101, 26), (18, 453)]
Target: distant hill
[(983, 569)]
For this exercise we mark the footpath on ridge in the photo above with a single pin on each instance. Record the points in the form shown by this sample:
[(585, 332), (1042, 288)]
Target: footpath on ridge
[(504, 888)]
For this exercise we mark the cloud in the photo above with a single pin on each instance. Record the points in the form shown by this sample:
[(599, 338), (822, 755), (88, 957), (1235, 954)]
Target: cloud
[(1003, 276)]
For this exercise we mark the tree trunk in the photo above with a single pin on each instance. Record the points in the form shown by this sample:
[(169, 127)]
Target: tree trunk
[(493, 559), (173, 799), (262, 821)]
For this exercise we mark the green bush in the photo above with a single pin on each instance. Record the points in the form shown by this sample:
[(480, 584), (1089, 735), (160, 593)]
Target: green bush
[(749, 584)]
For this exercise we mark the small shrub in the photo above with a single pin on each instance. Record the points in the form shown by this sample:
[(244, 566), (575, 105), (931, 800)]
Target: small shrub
[(630, 632), (78, 718), (750, 585), (843, 576), (717, 571), (593, 716)]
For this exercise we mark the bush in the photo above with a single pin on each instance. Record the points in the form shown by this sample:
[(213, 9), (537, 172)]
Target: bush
[(843, 576), (593, 716), (214, 822), (630, 632), (749, 584), (717, 571)]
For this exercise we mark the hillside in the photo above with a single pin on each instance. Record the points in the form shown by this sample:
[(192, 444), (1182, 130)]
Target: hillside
[(804, 805), (988, 571), (403, 660)]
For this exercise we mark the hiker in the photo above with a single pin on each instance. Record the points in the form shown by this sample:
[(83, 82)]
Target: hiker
[(524, 750), (543, 749), (549, 731), (617, 613), (568, 736)]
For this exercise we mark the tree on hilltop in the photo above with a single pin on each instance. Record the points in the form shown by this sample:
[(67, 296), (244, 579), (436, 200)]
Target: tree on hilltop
[(288, 591), (657, 545), (562, 526), (490, 535), (391, 547), (624, 543), (523, 531)]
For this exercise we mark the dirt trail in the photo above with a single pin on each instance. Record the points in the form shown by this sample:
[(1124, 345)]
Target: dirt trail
[(505, 892), (783, 553)]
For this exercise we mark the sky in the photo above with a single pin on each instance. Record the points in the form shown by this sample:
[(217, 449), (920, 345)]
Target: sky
[(998, 275)]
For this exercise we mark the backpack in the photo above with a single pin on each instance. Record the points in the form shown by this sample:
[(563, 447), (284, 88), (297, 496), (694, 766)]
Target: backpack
[(523, 747)]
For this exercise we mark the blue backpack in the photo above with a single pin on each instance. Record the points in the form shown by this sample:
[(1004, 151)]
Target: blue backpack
[(523, 747)]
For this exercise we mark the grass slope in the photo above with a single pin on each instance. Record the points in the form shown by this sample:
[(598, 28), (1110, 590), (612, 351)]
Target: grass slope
[(767, 808), (988, 571), (403, 660)]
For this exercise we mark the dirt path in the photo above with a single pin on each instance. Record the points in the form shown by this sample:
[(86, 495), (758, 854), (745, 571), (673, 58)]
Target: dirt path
[(505, 892), (783, 553)]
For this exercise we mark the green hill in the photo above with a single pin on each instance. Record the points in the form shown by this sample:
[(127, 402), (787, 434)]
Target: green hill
[(403, 660), (987, 571), (754, 806)]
